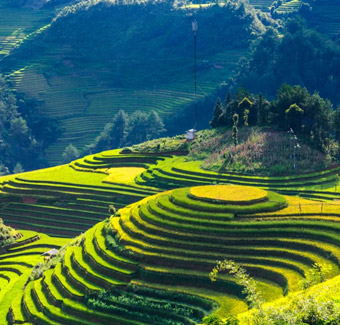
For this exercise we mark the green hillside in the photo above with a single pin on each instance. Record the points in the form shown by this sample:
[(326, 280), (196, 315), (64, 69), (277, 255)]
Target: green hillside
[(133, 236), (83, 72), (142, 254), (325, 16), (19, 24), (16, 263)]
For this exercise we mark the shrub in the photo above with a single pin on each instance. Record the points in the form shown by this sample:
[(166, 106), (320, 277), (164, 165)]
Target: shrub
[(7, 234), (253, 296), (317, 274), (212, 320)]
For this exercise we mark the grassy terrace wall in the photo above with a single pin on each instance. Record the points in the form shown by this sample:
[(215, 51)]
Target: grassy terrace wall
[(166, 245)]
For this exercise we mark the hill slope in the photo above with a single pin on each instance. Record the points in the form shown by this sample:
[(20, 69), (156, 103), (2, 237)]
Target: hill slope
[(143, 251), (84, 72)]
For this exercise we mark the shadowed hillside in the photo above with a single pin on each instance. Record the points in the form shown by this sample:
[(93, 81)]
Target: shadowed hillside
[(84, 72)]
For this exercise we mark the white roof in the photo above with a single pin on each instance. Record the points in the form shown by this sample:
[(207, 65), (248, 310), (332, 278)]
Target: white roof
[(51, 252), (191, 130)]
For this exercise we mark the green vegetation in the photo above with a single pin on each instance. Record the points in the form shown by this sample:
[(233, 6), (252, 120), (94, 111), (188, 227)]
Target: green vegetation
[(25, 133), (161, 249), (138, 266), (305, 308), (7, 234), (17, 260), (80, 78), (297, 57), (267, 148), (141, 255), (66, 200), (128, 130)]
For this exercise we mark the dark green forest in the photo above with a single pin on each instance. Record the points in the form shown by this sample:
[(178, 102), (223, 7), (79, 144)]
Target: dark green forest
[(298, 55), (25, 133)]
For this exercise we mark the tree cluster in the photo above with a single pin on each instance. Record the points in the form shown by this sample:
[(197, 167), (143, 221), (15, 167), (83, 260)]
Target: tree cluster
[(126, 42), (7, 234), (24, 132), (126, 130), (299, 56), (308, 115)]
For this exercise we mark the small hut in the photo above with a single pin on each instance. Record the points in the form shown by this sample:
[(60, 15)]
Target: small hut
[(51, 253), (191, 134)]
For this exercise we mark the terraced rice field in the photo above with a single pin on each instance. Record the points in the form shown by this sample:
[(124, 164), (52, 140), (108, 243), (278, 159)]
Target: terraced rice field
[(83, 102), (19, 24), (150, 256), (177, 172), (16, 262), (83, 107), (72, 202), (67, 200), (289, 6), (261, 4), (326, 16), (160, 246), (89, 268)]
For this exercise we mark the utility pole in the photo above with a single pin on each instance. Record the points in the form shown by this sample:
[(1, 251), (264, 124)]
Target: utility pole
[(195, 29), (296, 146), (294, 150), (290, 132)]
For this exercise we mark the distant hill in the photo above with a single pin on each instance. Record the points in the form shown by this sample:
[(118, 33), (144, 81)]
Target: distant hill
[(84, 72)]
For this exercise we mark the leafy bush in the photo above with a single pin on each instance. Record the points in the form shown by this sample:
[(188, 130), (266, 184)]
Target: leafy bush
[(7, 234), (212, 320), (253, 296), (300, 309), (317, 274)]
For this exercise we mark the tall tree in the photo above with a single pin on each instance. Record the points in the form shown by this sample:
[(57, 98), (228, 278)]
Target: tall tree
[(70, 153), (294, 117), (260, 107), (119, 129), (155, 126), (217, 119), (137, 128), (235, 129), (244, 108)]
